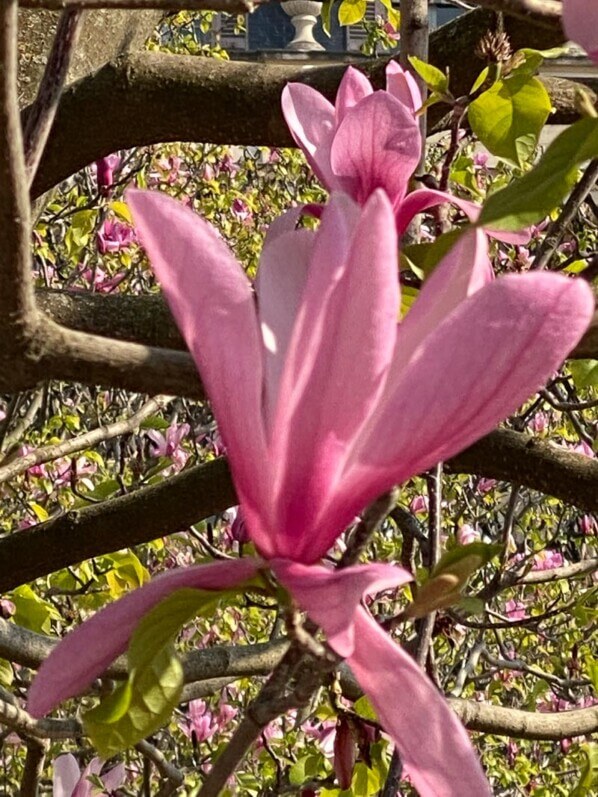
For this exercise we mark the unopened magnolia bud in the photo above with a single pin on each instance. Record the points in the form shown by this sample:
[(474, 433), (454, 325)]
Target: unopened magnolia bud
[(344, 752)]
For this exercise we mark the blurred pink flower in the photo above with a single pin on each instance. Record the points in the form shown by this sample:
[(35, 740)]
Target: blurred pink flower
[(485, 485), (538, 422), (170, 445), (547, 560), (419, 505), (200, 723), (114, 236), (515, 610), (467, 534), (69, 781), (105, 168)]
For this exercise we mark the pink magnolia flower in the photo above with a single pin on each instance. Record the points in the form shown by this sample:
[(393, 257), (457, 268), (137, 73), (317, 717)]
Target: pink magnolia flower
[(486, 485), (241, 210), (515, 610), (310, 445), (539, 422), (113, 236), (369, 140), (582, 448), (169, 445), (580, 20), (419, 505), (200, 722), (69, 781), (105, 168), (467, 534)]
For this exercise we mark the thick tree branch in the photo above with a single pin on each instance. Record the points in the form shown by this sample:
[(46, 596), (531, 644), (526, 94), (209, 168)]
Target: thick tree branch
[(30, 649), (138, 517), (225, 102), (147, 320), (206, 490), (546, 13), (228, 6), (525, 460)]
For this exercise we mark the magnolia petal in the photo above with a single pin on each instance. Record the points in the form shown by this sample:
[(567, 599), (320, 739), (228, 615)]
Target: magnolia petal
[(88, 650), (66, 775), (114, 778), (279, 286), (401, 84), (345, 329), (353, 88), (286, 222), (214, 307), (580, 21), (425, 198), (479, 364), (463, 271), (377, 145), (311, 120), (331, 598), (84, 787), (433, 745)]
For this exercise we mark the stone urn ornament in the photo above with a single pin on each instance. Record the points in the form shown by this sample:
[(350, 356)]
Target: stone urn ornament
[(304, 16)]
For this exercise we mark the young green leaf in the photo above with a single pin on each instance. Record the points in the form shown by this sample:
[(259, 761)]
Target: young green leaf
[(351, 11), (436, 80), (532, 197)]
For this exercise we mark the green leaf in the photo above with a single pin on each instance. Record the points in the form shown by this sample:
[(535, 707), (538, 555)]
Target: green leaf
[(509, 116), (480, 80), (584, 373), (589, 774), (325, 14), (436, 80), (31, 611), (145, 702), (463, 560), (532, 197), (393, 16), (364, 708), (6, 673), (351, 11), (423, 258)]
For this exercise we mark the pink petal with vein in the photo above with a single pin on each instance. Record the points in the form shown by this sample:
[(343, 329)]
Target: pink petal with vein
[(401, 84), (332, 597), (426, 198), (214, 307), (377, 145), (336, 365), (86, 652), (523, 327), (66, 775), (580, 20), (433, 745), (279, 286), (311, 120), (353, 88)]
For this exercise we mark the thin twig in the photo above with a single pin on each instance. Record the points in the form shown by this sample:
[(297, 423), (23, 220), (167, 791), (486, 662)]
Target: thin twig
[(34, 767), (371, 520), (168, 771), (85, 441), (558, 228), (40, 119), (426, 625)]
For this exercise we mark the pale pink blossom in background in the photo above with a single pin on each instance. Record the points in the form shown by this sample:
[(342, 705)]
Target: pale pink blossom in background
[(486, 485), (199, 723), (538, 422), (169, 445), (588, 525), (467, 534), (515, 610), (419, 505), (548, 560), (114, 236), (69, 781), (582, 448)]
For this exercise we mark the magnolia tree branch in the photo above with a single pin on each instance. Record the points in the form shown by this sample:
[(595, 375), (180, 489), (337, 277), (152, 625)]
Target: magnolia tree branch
[(225, 102), (206, 490), (33, 768), (30, 649), (540, 12), (49, 453), (415, 40), (43, 111), (227, 6), (16, 287), (147, 320)]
